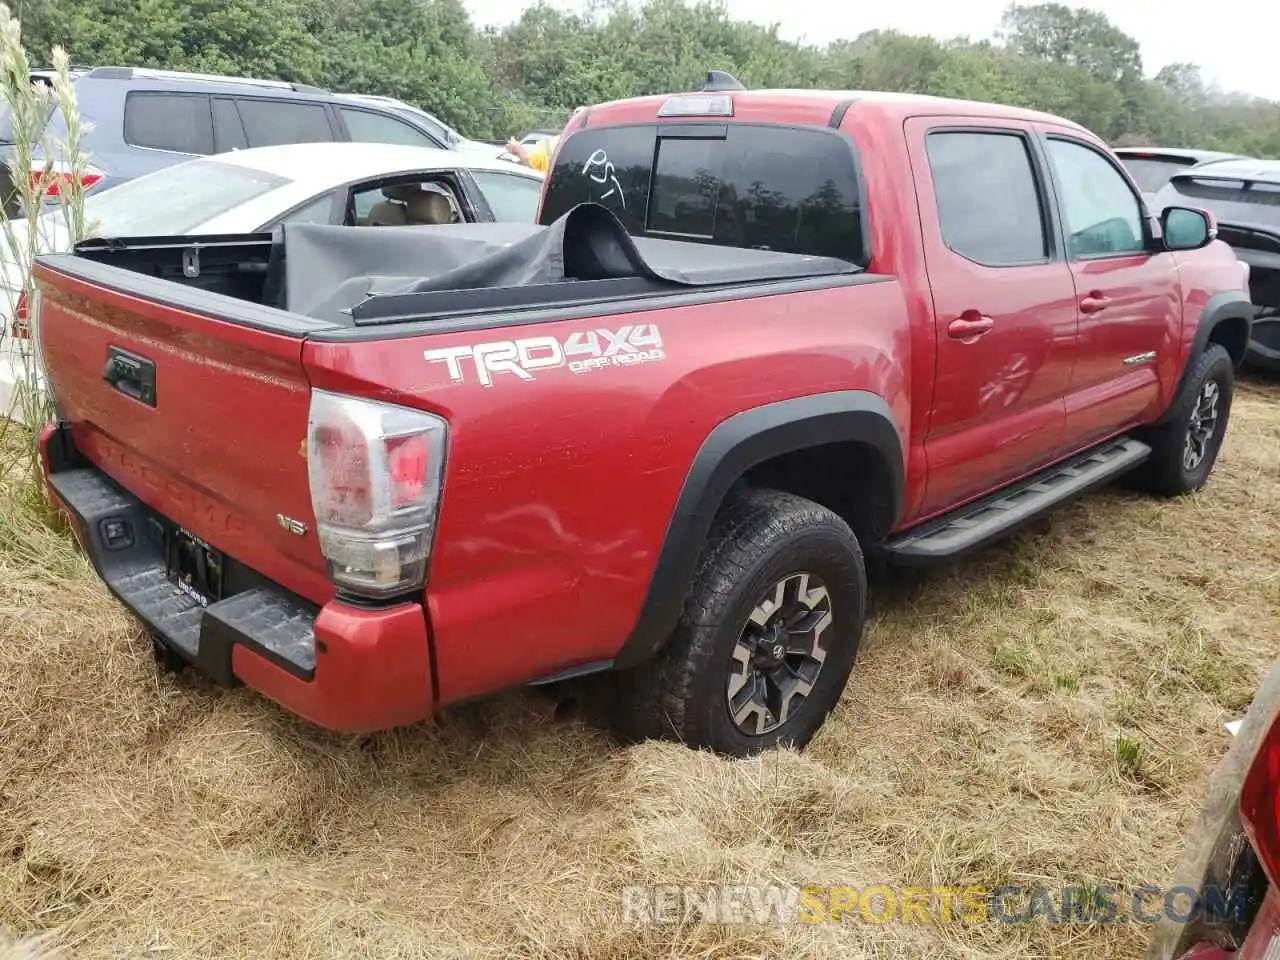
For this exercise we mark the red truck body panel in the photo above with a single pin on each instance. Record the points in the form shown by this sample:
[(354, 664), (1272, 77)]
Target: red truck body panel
[(375, 671), (210, 455), (558, 524), (559, 490)]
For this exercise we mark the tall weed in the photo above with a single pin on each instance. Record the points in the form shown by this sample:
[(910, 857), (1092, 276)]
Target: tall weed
[(44, 170)]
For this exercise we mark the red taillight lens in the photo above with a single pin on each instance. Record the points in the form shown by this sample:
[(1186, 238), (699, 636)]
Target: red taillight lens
[(54, 179), (375, 471), (1260, 802), (407, 460), (20, 328), (345, 465)]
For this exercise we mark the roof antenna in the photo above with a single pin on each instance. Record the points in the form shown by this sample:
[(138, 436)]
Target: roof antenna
[(718, 82)]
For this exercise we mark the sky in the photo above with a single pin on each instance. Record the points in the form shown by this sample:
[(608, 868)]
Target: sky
[(1223, 37)]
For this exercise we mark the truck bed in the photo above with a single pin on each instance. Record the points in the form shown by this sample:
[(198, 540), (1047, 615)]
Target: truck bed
[(191, 378), (329, 277)]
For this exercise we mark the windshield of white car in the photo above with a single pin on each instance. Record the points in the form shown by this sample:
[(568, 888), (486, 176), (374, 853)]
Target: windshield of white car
[(176, 199)]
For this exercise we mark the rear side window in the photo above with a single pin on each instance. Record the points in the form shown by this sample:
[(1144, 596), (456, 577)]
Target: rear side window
[(988, 202), (227, 126), (270, 123), (366, 127), (182, 123), (789, 189)]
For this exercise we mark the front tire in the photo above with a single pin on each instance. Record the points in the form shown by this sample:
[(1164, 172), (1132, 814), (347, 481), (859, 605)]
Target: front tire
[(1185, 448), (768, 637)]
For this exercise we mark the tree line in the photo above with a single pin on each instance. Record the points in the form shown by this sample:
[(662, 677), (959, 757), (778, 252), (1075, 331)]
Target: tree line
[(497, 82)]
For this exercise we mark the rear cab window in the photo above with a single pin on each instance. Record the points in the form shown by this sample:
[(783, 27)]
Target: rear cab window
[(769, 187)]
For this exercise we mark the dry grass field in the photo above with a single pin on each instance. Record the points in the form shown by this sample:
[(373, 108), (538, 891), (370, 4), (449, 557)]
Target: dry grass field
[(1047, 712)]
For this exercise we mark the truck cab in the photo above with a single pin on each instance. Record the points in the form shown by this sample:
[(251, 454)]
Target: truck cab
[(1046, 311)]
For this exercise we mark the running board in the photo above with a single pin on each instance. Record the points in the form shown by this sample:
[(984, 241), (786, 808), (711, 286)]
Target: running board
[(1001, 513)]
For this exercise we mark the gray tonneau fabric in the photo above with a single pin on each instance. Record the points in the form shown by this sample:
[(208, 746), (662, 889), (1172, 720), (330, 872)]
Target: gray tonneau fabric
[(329, 270)]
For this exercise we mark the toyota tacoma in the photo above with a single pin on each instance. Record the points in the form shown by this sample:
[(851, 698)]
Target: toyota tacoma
[(758, 340)]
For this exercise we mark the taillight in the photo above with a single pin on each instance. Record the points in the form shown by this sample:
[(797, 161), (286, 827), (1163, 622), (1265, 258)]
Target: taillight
[(54, 179), (375, 471), (20, 327), (1260, 802)]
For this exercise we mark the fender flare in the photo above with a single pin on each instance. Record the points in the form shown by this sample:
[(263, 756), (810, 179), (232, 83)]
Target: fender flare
[(736, 445), (1227, 307)]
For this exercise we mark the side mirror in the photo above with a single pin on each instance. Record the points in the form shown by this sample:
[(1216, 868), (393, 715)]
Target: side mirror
[(1186, 228)]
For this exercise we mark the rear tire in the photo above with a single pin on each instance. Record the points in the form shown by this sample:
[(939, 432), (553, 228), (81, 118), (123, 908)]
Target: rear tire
[(1185, 448), (768, 638)]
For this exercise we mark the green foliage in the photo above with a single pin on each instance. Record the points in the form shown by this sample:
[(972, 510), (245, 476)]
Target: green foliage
[(1084, 39), (495, 83)]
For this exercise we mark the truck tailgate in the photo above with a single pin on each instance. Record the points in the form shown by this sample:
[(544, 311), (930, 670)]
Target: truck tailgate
[(203, 420)]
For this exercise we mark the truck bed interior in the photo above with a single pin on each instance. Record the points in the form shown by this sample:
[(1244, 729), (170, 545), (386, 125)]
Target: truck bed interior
[(349, 277)]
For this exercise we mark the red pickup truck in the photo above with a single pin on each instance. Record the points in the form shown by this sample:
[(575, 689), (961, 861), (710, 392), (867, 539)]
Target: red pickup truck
[(758, 340)]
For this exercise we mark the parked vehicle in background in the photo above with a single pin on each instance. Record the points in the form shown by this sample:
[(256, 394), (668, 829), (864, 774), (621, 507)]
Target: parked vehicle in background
[(1232, 860), (1244, 197), (145, 120), (537, 136), (371, 474), (437, 128), (1151, 167), (255, 191)]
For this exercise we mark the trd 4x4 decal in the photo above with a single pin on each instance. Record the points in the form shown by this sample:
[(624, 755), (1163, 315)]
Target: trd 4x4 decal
[(581, 352)]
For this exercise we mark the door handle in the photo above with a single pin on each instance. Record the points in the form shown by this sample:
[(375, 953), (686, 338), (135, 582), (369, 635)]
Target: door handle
[(969, 325), (1094, 303)]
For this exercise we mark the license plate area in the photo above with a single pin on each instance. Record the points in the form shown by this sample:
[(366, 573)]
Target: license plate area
[(195, 567)]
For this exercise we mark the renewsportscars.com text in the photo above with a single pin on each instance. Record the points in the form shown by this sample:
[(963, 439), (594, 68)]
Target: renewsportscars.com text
[(970, 904)]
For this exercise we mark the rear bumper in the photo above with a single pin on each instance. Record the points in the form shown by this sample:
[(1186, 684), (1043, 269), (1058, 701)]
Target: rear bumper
[(341, 667)]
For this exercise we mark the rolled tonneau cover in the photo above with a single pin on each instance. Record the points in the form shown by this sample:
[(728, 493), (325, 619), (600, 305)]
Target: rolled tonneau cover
[(332, 271)]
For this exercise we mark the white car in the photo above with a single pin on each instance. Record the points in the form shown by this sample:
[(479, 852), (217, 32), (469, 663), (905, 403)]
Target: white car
[(253, 191)]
